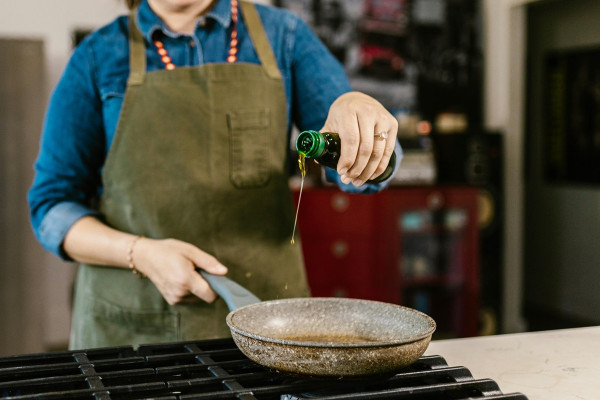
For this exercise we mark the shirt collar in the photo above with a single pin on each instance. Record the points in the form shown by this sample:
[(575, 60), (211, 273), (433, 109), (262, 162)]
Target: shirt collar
[(148, 22)]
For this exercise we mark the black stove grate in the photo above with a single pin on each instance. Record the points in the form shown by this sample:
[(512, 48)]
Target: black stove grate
[(216, 369)]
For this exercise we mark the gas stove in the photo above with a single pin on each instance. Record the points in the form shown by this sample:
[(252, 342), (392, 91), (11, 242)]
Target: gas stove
[(216, 369)]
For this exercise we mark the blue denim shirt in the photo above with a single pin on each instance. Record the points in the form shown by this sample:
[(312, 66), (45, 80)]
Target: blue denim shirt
[(84, 108)]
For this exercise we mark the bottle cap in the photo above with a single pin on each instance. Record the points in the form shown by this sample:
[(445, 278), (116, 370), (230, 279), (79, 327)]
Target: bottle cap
[(310, 143)]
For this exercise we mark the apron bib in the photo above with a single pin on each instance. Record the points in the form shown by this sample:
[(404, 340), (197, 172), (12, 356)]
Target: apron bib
[(199, 155)]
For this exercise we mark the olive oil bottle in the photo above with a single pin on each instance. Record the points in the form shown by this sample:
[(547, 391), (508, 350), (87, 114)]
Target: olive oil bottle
[(325, 148)]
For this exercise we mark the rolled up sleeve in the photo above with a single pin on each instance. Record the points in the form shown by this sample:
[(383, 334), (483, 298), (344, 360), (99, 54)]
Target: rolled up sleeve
[(57, 222)]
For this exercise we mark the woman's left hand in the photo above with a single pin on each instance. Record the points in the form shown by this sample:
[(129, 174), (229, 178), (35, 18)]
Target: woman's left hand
[(367, 133)]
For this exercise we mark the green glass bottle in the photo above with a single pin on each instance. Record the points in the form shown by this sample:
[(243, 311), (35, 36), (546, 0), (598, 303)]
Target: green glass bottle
[(325, 148)]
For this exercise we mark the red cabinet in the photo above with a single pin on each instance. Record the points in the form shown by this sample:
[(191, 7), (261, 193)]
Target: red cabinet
[(339, 236), (412, 246)]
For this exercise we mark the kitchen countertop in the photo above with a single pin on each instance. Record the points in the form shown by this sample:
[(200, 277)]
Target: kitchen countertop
[(548, 365)]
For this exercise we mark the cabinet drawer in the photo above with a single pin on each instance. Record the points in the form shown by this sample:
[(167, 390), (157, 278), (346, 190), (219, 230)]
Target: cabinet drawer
[(333, 211), (340, 266)]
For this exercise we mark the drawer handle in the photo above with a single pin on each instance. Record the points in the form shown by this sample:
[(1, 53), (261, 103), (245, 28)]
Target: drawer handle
[(435, 200), (340, 202), (339, 249)]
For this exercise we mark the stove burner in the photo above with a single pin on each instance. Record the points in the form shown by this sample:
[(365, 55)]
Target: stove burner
[(216, 369)]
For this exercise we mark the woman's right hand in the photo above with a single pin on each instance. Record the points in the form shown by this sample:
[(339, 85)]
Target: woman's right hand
[(171, 265)]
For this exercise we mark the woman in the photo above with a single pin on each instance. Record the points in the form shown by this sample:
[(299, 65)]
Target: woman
[(164, 150)]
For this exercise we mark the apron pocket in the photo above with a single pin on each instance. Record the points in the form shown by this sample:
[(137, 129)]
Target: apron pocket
[(249, 132), (115, 325)]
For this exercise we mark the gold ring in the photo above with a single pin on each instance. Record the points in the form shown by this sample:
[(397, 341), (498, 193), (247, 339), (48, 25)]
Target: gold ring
[(382, 135)]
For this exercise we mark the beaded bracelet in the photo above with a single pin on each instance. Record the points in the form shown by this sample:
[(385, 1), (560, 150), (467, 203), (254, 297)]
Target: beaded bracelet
[(134, 270)]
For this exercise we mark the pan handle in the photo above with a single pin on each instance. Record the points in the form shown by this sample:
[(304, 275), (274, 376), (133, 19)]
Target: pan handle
[(234, 294)]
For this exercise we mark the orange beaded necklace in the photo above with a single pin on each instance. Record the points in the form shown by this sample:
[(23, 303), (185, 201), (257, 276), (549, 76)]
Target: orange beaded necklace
[(231, 58)]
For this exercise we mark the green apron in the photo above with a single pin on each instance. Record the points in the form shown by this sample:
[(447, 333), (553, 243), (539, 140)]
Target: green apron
[(199, 155)]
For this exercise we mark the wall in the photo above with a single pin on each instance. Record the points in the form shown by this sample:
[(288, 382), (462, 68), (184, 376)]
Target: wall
[(503, 111), (563, 221), (54, 21)]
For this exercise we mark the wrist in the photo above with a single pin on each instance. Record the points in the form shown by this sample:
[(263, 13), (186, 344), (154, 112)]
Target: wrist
[(131, 259)]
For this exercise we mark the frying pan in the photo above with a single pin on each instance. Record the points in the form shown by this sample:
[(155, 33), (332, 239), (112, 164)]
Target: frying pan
[(323, 337)]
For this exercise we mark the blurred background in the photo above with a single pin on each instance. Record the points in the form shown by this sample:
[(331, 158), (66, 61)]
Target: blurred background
[(493, 221)]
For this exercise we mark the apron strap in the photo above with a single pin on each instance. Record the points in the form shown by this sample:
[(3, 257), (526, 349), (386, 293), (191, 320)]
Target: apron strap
[(259, 39), (137, 53)]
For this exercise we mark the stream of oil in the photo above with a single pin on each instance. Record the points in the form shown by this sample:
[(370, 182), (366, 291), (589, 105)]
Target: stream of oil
[(302, 165)]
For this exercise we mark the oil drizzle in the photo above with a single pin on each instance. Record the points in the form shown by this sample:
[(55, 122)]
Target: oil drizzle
[(302, 165)]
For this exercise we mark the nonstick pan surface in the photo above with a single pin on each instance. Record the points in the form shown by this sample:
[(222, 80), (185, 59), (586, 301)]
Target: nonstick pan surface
[(331, 337)]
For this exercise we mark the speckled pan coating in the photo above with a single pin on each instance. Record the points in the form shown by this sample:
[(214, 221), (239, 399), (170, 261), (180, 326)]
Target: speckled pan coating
[(364, 337)]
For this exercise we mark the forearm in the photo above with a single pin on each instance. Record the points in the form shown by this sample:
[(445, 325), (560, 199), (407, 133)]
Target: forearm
[(170, 264), (91, 241)]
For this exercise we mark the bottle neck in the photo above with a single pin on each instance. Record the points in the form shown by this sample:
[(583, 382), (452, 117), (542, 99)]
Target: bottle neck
[(311, 144)]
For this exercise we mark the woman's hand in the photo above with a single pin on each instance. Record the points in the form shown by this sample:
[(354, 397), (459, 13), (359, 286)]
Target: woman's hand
[(171, 265), (367, 134)]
